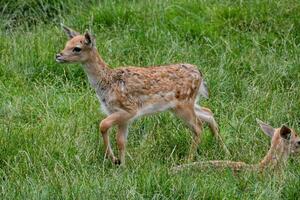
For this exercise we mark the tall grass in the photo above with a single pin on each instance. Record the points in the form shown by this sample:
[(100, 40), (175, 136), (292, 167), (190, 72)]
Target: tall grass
[(50, 146)]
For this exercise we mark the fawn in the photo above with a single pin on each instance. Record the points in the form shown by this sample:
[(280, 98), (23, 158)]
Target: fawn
[(129, 92), (284, 142)]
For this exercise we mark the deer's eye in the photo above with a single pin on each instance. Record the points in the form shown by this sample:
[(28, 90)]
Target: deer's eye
[(77, 49)]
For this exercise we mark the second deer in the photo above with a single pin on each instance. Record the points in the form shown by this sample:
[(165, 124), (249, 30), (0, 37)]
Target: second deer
[(284, 142)]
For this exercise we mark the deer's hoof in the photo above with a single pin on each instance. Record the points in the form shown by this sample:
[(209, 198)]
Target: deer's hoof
[(117, 162)]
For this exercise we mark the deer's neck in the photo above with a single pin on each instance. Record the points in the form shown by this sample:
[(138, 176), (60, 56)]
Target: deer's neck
[(277, 155), (97, 71)]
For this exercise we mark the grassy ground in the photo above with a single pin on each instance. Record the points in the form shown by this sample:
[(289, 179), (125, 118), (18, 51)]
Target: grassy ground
[(49, 141)]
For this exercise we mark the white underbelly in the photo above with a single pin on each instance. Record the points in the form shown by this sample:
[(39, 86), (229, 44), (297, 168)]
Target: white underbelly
[(154, 108)]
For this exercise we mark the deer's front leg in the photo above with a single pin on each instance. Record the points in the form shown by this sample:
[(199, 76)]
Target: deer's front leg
[(117, 118), (121, 141), (104, 127)]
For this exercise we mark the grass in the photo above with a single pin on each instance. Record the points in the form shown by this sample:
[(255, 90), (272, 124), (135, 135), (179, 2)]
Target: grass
[(50, 146)]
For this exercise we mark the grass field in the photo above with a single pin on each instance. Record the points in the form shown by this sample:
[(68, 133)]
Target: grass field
[(50, 147)]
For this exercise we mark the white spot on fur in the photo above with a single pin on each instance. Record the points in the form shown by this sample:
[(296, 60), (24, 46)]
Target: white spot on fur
[(122, 87), (188, 92)]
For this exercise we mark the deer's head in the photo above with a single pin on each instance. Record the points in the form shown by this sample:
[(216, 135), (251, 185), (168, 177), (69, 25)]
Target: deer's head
[(283, 137), (78, 48)]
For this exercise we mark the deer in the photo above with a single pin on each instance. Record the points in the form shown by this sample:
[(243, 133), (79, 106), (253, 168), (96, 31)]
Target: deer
[(126, 93), (284, 142)]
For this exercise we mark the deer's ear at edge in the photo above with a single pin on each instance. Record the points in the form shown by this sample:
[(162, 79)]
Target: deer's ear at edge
[(89, 39), (70, 32), (266, 128)]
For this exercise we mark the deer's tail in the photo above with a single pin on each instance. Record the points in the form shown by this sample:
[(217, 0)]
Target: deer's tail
[(203, 90)]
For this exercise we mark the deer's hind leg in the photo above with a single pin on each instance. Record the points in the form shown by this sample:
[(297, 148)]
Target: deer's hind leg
[(206, 115), (187, 113)]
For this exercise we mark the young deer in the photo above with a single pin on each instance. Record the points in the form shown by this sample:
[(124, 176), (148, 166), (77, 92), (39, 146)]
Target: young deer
[(129, 92), (284, 142)]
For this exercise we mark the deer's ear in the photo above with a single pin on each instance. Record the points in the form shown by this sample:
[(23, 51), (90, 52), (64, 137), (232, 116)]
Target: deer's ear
[(89, 39), (267, 129), (70, 32), (285, 132)]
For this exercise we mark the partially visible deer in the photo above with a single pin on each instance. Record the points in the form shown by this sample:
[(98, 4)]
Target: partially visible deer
[(129, 92), (284, 142)]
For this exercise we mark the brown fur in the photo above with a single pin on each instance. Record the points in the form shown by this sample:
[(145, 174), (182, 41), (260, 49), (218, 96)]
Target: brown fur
[(129, 92), (285, 141)]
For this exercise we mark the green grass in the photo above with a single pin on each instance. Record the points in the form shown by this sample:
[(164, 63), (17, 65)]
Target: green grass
[(50, 146)]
